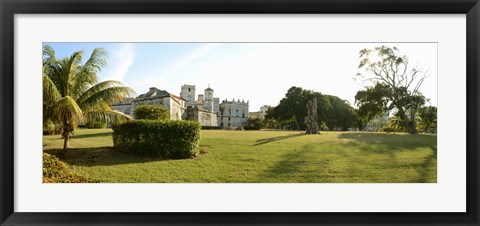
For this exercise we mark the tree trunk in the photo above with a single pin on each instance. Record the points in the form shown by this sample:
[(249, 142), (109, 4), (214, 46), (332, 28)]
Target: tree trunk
[(66, 141), (413, 128), (66, 137), (409, 125), (311, 120)]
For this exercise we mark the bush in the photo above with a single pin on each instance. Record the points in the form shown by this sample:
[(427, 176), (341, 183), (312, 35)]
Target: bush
[(251, 127), (211, 127), (96, 125), (152, 112), (56, 171), (388, 129), (50, 128), (166, 139), (254, 122)]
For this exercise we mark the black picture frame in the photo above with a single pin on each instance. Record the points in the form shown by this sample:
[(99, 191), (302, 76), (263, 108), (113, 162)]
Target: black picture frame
[(11, 7)]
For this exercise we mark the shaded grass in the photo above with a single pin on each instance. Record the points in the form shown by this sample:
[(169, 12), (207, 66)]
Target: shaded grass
[(263, 156)]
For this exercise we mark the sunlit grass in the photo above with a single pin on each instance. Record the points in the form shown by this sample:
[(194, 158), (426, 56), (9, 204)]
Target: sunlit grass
[(263, 156)]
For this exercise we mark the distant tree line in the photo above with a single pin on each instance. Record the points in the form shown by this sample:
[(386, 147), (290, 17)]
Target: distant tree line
[(337, 114)]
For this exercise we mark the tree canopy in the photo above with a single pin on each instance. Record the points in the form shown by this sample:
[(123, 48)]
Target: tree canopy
[(395, 86), (335, 113)]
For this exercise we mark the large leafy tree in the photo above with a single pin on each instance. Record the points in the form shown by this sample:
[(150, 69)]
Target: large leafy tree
[(332, 111), (395, 85), (72, 93), (341, 114)]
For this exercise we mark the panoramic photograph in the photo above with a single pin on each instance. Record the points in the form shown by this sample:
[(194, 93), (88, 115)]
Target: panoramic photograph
[(239, 112)]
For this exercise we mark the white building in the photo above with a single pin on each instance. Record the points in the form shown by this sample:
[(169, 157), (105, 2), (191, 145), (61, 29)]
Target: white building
[(232, 113), (206, 109), (229, 113), (175, 104)]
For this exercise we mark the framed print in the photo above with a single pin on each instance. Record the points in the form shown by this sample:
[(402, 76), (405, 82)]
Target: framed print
[(239, 113)]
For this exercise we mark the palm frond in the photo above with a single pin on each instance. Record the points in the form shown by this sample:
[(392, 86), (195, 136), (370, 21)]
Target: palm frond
[(48, 54), (86, 75), (50, 91), (67, 110), (60, 72), (108, 116), (106, 95), (97, 88), (96, 62)]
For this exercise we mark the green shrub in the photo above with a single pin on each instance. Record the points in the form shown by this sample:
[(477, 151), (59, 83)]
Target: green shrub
[(56, 171), (96, 124), (166, 139), (251, 127), (387, 129), (211, 127), (152, 112), (50, 128)]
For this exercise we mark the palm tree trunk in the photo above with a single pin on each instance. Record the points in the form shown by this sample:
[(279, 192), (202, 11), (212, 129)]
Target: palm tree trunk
[(66, 137), (66, 141)]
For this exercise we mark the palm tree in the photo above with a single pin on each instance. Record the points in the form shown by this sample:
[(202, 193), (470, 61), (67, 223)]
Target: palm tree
[(72, 93)]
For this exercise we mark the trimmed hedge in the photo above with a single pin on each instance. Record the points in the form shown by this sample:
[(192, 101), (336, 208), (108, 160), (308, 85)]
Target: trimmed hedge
[(158, 138)]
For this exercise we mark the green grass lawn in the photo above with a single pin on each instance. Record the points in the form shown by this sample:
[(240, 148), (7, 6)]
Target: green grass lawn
[(262, 156)]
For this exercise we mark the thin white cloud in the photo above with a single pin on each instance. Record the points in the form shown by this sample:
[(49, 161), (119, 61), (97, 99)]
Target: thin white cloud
[(119, 62), (198, 53), (161, 80)]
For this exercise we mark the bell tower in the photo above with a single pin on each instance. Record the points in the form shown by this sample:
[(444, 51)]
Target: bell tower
[(188, 93), (209, 98)]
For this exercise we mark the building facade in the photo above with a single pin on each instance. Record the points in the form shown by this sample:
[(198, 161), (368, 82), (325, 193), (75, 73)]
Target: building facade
[(206, 109), (232, 113), (175, 104)]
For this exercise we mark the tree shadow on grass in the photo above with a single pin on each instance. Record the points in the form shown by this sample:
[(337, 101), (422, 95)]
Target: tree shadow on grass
[(289, 168), (273, 139), (295, 165), (102, 134), (425, 173), (389, 144), (99, 156)]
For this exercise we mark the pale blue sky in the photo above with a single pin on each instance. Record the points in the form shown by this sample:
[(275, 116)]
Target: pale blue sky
[(258, 72)]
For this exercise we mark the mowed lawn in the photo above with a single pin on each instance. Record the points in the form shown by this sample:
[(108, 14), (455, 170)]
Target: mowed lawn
[(262, 156)]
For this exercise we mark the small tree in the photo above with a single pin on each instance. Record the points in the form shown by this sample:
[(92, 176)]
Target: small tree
[(428, 118), (152, 112)]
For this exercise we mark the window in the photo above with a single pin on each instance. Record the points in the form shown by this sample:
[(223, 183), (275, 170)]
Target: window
[(243, 115), (221, 124), (188, 89)]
